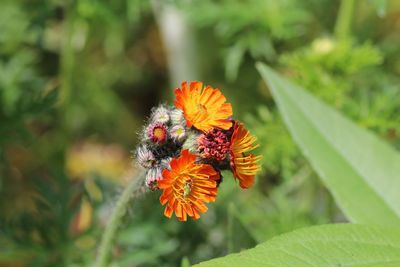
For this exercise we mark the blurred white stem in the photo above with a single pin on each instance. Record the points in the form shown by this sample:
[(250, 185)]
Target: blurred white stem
[(178, 42)]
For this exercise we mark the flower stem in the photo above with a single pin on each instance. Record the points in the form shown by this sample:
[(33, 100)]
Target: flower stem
[(134, 189), (344, 18)]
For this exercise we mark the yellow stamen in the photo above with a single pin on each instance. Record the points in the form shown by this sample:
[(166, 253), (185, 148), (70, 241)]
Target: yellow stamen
[(159, 133), (187, 188)]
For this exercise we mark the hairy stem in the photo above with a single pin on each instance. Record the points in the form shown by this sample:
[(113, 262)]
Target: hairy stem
[(344, 18), (134, 189)]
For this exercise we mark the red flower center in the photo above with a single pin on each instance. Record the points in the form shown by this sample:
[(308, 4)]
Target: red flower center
[(159, 133), (214, 144)]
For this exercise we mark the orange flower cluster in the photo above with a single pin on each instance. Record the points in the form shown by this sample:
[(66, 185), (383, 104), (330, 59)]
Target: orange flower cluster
[(201, 139)]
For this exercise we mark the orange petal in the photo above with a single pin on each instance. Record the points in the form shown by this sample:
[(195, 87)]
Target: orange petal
[(244, 167), (168, 211)]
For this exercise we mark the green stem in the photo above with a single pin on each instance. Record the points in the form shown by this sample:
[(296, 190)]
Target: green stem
[(344, 18), (133, 190)]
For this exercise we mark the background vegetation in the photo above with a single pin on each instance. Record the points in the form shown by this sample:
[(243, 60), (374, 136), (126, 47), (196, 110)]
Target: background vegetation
[(77, 78)]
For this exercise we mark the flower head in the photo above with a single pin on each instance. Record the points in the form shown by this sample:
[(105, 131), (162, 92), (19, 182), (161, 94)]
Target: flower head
[(214, 144), (203, 108), (145, 157), (244, 166), (157, 132), (160, 114), (187, 186)]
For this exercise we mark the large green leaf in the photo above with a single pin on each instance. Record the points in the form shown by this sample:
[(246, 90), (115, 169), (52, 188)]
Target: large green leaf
[(361, 171), (327, 245)]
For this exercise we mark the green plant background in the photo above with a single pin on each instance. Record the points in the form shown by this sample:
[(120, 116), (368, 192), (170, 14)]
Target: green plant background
[(78, 77)]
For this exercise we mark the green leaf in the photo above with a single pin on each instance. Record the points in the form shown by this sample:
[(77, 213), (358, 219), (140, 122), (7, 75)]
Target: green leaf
[(327, 245), (361, 171)]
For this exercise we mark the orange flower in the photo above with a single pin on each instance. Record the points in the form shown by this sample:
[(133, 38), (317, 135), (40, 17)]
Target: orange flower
[(203, 108), (187, 186), (244, 166)]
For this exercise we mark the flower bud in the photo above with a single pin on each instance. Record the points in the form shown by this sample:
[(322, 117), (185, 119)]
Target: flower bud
[(165, 163), (177, 117), (178, 133), (152, 176), (145, 157), (191, 142), (160, 114)]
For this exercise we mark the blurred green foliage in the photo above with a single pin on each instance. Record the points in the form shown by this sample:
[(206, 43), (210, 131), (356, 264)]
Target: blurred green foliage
[(83, 72)]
